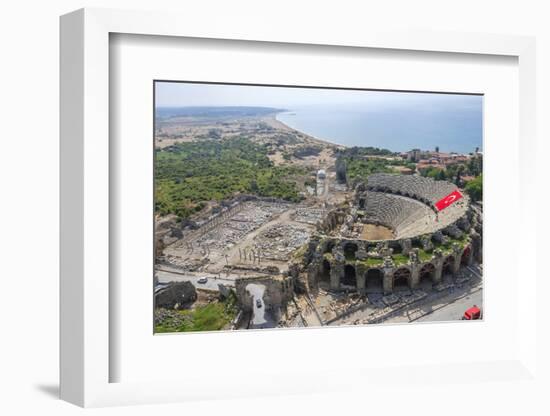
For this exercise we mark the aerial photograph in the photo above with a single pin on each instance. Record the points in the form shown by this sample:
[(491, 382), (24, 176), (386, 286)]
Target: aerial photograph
[(293, 207)]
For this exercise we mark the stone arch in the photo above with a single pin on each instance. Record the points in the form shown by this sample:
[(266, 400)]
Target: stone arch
[(350, 249), (466, 254), (374, 281), (427, 273), (448, 265), (350, 277), (402, 278), (397, 248), (416, 243), (329, 246)]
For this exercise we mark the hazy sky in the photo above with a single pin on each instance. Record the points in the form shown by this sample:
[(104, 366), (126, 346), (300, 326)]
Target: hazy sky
[(177, 94)]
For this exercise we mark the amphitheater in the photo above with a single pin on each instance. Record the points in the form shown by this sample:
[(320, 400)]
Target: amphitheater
[(420, 245)]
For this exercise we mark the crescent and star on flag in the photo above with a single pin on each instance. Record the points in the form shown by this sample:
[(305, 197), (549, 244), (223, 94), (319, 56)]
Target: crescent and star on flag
[(448, 200)]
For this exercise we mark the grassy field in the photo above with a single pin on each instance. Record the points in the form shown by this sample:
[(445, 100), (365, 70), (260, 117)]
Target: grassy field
[(212, 317)]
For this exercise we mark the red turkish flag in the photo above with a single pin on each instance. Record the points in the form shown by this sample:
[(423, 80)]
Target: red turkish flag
[(448, 200)]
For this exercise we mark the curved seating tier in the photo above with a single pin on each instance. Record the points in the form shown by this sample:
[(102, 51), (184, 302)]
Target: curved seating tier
[(423, 189), (406, 216)]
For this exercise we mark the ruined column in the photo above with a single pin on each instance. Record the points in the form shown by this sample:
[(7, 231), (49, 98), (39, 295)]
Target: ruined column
[(470, 256), (360, 275), (477, 247), (387, 270), (426, 241), (457, 253), (388, 281), (361, 253), (415, 268), (438, 263), (336, 273), (361, 283), (337, 267), (314, 269), (415, 276), (406, 246)]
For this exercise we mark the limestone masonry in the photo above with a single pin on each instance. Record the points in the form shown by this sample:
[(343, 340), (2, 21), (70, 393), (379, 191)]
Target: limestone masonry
[(425, 243)]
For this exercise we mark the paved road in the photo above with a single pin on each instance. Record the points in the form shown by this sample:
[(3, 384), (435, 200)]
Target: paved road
[(165, 276), (454, 311), (258, 312), (436, 307)]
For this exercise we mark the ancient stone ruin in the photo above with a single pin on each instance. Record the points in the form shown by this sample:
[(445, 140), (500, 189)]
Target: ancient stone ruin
[(424, 245)]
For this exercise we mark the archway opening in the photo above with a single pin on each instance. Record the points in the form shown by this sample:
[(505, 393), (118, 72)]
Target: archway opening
[(349, 278), (325, 271), (329, 247), (448, 265), (349, 250), (362, 203), (401, 279), (427, 275), (396, 247), (466, 256), (374, 281), (416, 243)]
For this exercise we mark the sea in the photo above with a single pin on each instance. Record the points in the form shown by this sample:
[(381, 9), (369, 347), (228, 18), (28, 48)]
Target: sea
[(453, 123)]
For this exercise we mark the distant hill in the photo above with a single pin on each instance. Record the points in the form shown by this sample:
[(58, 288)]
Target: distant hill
[(214, 112)]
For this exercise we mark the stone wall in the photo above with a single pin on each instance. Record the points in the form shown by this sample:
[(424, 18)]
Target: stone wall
[(278, 291), (351, 272), (175, 295)]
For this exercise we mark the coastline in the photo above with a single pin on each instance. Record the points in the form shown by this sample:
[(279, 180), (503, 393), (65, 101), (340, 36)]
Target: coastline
[(323, 141), (280, 124)]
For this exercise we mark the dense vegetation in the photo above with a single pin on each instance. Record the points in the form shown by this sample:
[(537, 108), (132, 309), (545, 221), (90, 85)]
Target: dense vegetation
[(211, 317), (454, 173), (189, 174), (361, 162), (359, 169), (474, 188), (354, 152)]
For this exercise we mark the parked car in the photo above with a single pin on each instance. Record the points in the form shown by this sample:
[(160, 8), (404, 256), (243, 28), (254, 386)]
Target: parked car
[(472, 313), (202, 280), (258, 303)]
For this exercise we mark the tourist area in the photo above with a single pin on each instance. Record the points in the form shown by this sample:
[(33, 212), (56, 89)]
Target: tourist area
[(259, 225)]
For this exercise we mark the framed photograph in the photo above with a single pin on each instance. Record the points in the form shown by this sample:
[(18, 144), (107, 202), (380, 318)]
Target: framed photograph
[(293, 207), (269, 202)]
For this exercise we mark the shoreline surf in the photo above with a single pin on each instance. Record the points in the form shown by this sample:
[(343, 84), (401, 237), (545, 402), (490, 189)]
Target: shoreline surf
[(310, 136), (423, 140)]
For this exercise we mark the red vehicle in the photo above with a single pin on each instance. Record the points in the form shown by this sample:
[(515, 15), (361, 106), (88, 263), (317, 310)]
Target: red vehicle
[(472, 313)]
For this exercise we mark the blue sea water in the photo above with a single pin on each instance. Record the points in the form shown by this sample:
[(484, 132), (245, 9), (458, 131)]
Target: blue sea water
[(454, 123)]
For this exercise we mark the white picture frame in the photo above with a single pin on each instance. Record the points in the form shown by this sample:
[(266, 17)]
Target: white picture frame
[(86, 356)]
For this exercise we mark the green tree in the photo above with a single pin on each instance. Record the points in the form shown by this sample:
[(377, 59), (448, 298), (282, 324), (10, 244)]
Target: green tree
[(474, 188), (189, 174)]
